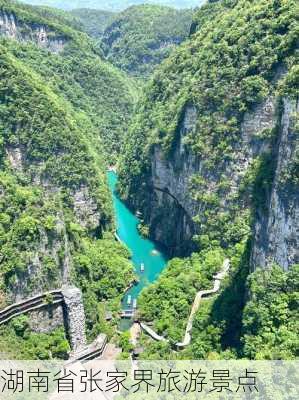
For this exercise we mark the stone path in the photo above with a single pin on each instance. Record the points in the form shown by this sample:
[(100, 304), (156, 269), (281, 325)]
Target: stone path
[(202, 293)]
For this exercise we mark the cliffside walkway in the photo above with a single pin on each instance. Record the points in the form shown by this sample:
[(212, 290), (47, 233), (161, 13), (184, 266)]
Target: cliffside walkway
[(70, 298), (31, 304), (202, 293)]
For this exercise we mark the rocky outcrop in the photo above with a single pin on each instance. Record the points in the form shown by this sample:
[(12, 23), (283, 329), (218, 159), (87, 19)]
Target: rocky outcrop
[(54, 247), (47, 266), (8, 25), (170, 180), (43, 36), (85, 208), (47, 320), (15, 158), (277, 227)]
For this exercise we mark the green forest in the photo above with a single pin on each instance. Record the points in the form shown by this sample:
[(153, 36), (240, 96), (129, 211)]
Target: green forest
[(139, 38), (94, 22), (197, 111)]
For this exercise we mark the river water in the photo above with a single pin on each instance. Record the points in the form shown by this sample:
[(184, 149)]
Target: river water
[(143, 251)]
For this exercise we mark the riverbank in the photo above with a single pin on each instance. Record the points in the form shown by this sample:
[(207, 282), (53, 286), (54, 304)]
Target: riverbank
[(148, 259)]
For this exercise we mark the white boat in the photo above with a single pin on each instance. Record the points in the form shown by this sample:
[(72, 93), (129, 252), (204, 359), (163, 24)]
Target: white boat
[(129, 300), (142, 267), (135, 303)]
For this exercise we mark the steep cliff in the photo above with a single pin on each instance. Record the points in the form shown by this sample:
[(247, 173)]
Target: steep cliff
[(34, 174), (276, 229), (211, 124), (18, 28)]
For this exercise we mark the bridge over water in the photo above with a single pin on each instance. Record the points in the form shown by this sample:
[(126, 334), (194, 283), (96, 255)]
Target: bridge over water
[(129, 313)]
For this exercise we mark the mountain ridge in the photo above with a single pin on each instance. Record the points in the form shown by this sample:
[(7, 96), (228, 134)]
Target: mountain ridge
[(113, 5)]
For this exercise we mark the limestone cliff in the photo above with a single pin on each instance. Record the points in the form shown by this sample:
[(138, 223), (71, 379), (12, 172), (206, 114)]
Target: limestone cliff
[(276, 233), (169, 185), (210, 159), (14, 28)]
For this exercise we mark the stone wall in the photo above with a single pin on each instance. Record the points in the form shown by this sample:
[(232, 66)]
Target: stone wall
[(75, 317)]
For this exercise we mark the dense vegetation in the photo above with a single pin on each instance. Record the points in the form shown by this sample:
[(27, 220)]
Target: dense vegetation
[(225, 68), (168, 301), (18, 341), (94, 22), (265, 329), (103, 272), (93, 87), (55, 109), (112, 5), (270, 321), (140, 37)]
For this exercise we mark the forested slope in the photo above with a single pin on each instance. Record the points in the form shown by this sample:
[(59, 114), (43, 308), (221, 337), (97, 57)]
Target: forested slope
[(94, 22), (139, 38), (212, 157), (60, 103)]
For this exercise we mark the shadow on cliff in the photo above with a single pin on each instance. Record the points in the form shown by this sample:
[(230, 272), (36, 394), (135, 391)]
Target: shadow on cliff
[(227, 309)]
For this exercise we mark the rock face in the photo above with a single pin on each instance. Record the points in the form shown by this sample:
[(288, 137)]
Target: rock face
[(85, 208), (277, 227), (170, 180), (75, 317), (54, 247), (8, 25), (46, 320), (41, 35)]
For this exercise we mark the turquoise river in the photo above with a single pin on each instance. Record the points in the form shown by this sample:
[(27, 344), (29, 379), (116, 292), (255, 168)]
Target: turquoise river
[(143, 251)]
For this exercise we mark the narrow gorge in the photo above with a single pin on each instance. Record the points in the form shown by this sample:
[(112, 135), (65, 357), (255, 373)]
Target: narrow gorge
[(149, 175)]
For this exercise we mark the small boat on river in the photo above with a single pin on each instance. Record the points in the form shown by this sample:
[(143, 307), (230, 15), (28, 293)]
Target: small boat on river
[(155, 253), (129, 300), (135, 303), (142, 267)]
